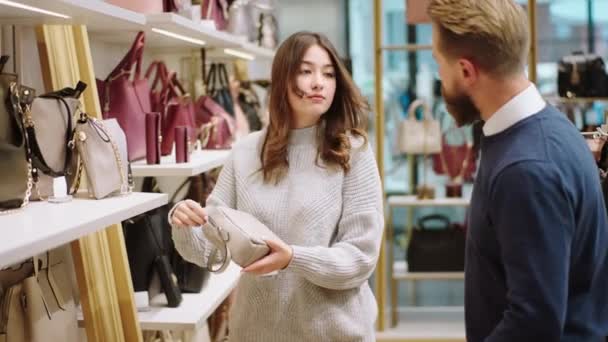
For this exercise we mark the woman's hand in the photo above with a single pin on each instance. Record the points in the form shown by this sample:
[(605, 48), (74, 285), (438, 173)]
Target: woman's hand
[(188, 213), (279, 257)]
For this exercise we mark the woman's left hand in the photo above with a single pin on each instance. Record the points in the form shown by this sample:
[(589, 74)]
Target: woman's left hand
[(279, 257)]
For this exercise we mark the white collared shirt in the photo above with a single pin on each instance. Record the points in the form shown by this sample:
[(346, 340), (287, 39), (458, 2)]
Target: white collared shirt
[(523, 105)]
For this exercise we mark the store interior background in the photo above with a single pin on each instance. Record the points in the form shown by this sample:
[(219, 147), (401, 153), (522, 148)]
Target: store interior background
[(563, 26)]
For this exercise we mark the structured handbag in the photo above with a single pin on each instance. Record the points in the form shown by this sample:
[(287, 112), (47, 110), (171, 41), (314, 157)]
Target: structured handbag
[(419, 136), (53, 115), (16, 175), (458, 162), (39, 307), (128, 99), (439, 249), (237, 236), (216, 10), (141, 6), (102, 148), (239, 19), (582, 75)]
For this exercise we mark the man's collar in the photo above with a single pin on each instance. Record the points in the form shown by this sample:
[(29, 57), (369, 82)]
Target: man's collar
[(523, 105)]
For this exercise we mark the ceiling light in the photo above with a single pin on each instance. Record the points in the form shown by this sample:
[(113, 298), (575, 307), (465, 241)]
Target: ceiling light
[(33, 9), (178, 36), (239, 54)]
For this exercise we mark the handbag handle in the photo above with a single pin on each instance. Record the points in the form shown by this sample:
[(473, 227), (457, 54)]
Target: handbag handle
[(435, 217), (219, 240), (133, 57), (426, 113)]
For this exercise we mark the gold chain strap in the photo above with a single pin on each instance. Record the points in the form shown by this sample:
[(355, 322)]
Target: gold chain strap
[(125, 189)]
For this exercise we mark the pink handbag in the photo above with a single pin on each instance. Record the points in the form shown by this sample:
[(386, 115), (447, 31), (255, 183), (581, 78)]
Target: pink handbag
[(128, 99), (216, 10), (141, 6)]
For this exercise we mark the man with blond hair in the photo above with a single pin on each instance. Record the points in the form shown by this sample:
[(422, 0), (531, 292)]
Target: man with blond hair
[(537, 244)]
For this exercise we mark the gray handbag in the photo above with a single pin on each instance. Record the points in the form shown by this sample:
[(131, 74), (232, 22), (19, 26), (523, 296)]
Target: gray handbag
[(237, 236), (239, 18), (53, 116), (102, 148)]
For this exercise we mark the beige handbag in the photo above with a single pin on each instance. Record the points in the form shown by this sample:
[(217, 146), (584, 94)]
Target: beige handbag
[(237, 236), (419, 137), (102, 147), (40, 307)]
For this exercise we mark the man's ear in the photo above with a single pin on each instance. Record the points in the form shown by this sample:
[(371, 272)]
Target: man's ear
[(468, 71)]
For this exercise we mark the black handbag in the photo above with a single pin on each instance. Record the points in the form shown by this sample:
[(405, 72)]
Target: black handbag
[(582, 75), (438, 249), (250, 103), (218, 87)]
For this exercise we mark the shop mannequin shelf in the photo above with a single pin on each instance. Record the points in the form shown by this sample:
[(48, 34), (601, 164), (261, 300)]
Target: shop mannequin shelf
[(195, 308), (42, 226), (200, 161), (97, 15), (413, 201)]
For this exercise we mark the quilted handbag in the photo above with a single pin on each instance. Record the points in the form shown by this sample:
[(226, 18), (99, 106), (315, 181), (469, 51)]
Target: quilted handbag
[(419, 136), (128, 99), (237, 236)]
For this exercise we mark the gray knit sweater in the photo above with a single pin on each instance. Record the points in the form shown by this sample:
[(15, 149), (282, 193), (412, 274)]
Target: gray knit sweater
[(334, 223)]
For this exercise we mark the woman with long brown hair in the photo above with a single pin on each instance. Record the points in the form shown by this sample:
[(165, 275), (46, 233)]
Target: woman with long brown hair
[(311, 177)]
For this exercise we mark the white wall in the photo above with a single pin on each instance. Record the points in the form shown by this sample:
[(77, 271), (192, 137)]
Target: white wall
[(325, 16)]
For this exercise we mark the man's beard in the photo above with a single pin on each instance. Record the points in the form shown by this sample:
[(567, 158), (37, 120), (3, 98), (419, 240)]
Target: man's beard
[(461, 107)]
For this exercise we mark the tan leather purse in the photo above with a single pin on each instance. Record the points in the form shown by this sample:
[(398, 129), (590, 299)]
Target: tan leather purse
[(102, 147), (39, 307), (237, 236), (419, 136)]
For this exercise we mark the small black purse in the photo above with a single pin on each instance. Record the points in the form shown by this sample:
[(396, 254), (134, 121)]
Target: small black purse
[(436, 249), (582, 75)]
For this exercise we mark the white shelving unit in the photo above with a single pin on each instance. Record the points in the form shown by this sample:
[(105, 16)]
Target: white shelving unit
[(42, 226), (195, 307), (200, 161), (413, 201)]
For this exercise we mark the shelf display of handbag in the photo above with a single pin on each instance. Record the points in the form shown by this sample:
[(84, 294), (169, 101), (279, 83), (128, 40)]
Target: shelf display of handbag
[(102, 152), (141, 6), (16, 173), (457, 161), (37, 302), (127, 99), (51, 156), (436, 248), (216, 10), (582, 75)]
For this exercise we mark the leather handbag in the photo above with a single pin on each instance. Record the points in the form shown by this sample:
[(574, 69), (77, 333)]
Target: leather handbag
[(183, 144), (419, 136), (237, 236), (218, 87), (458, 162), (53, 115), (239, 18), (39, 307), (102, 148), (153, 138), (16, 176), (216, 10), (415, 11), (582, 75), (128, 99), (141, 6), (439, 249)]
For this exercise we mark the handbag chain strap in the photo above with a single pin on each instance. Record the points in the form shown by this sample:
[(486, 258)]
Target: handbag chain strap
[(26, 119), (125, 189)]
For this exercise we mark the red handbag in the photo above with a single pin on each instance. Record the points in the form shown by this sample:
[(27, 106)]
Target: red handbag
[(174, 104), (217, 127), (128, 100), (216, 10), (458, 162)]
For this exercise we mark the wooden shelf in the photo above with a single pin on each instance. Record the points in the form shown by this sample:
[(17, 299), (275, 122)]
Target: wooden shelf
[(200, 161), (413, 201), (42, 226)]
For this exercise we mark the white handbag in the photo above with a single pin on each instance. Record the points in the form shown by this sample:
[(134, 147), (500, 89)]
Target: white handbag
[(237, 236), (419, 137)]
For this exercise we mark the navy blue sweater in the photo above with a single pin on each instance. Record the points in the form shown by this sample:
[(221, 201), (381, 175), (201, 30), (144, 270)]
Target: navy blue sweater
[(536, 258)]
